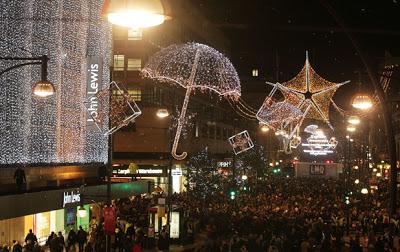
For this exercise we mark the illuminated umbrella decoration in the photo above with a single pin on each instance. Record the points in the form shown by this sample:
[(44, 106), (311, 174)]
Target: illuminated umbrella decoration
[(193, 66)]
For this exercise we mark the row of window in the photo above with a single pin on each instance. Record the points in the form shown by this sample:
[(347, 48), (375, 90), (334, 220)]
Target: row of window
[(215, 132), (136, 94), (131, 64), (127, 34)]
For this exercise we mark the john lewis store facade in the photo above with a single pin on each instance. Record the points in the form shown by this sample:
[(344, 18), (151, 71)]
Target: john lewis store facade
[(56, 210)]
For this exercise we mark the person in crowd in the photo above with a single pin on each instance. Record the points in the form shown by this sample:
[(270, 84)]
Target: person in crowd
[(16, 247), (20, 179), (61, 240), (5, 248), (163, 240), (30, 238), (81, 238), (71, 240)]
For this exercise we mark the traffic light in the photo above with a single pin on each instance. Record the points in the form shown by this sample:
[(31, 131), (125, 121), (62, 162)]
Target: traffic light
[(232, 194), (347, 200), (276, 170)]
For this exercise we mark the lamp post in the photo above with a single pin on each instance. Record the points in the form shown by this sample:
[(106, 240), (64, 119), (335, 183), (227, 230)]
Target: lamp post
[(133, 14), (163, 113), (350, 129), (384, 104), (42, 88)]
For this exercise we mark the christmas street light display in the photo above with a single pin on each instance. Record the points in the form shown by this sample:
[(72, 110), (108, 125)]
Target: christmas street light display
[(306, 96), (241, 142), (317, 143), (193, 66), (55, 129), (122, 108)]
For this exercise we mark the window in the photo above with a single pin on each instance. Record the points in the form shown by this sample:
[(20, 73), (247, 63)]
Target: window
[(136, 94), (225, 133), (134, 34), (211, 131), (119, 33), (119, 62), (219, 133), (134, 65), (255, 72)]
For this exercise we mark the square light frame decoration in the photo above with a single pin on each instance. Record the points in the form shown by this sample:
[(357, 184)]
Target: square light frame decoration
[(122, 110), (241, 142)]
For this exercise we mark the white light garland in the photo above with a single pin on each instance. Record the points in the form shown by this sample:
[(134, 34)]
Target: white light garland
[(51, 130), (193, 66)]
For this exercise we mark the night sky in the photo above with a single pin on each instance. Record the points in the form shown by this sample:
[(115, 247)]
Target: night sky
[(262, 31)]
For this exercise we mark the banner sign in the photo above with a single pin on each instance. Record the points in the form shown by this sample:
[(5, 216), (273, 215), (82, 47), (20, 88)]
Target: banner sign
[(93, 85), (317, 169), (109, 220), (71, 198)]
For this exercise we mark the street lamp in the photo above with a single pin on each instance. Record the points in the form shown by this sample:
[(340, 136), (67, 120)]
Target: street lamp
[(162, 113), (354, 120), (135, 13), (357, 181), (82, 212), (351, 128), (244, 177), (364, 191), (42, 88), (264, 128), (362, 102)]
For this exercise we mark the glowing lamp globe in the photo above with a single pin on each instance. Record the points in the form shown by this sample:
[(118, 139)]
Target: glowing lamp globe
[(135, 13), (162, 113), (43, 89), (354, 120), (351, 128), (362, 101), (82, 212), (357, 181), (364, 191), (264, 128), (244, 177)]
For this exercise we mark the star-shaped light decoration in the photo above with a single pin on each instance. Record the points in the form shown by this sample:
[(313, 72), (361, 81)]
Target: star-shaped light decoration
[(311, 93)]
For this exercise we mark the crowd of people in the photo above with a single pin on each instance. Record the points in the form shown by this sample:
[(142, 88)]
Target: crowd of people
[(296, 214), (276, 214)]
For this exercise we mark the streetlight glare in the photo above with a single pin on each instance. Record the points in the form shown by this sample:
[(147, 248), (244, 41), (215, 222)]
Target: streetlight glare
[(351, 128), (362, 102), (364, 191), (354, 120), (357, 181), (162, 113), (264, 128), (81, 212), (135, 13), (136, 19), (43, 89)]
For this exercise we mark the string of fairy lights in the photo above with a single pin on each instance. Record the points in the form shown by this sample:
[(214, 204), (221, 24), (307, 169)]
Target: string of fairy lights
[(51, 130)]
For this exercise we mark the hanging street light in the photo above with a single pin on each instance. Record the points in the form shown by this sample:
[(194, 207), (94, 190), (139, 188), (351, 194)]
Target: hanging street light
[(264, 128), (43, 88), (354, 120), (362, 102), (162, 113), (135, 13), (351, 128), (82, 212)]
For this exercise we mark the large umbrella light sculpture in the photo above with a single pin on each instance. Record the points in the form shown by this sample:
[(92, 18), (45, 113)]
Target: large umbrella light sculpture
[(193, 66)]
